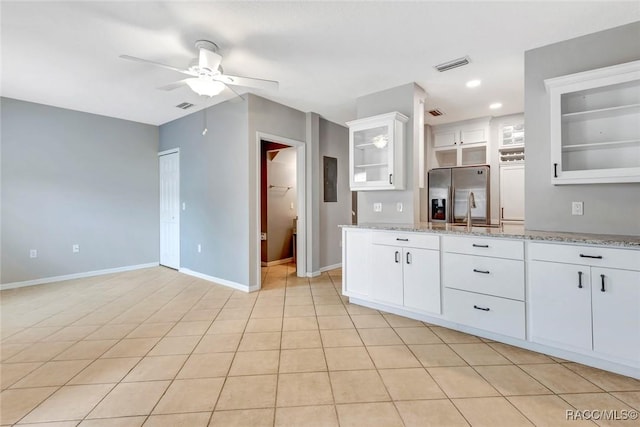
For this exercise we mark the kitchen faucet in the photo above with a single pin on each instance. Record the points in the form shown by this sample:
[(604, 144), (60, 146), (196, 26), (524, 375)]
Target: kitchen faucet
[(471, 203)]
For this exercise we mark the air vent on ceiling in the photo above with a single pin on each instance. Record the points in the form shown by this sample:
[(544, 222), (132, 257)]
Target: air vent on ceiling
[(435, 112), (446, 66), (185, 105)]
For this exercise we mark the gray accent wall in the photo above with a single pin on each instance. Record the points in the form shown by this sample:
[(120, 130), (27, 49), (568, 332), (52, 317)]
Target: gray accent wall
[(68, 178), (334, 142), (403, 99), (608, 208), (214, 186)]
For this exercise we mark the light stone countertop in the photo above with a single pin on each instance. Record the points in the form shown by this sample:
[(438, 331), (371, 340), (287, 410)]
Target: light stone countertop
[(510, 231)]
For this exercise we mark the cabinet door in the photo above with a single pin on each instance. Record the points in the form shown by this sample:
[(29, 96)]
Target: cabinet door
[(616, 312), (372, 155), (445, 138), (512, 192), (356, 262), (560, 304), (474, 134), (386, 274), (421, 279)]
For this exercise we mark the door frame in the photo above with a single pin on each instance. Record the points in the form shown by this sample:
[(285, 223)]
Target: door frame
[(301, 247), (160, 154)]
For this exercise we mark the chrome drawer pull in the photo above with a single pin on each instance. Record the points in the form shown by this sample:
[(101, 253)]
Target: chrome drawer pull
[(480, 246), (481, 271), (591, 256), (481, 308)]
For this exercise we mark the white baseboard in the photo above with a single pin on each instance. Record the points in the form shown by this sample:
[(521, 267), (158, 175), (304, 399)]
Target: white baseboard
[(52, 279), (313, 273), (330, 267), (219, 281), (276, 262)]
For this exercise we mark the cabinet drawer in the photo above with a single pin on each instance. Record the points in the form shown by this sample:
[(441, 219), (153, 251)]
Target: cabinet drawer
[(482, 246), (493, 314), (492, 276), (628, 259), (411, 240)]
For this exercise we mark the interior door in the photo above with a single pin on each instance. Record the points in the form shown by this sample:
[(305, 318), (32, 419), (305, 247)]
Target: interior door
[(170, 210)]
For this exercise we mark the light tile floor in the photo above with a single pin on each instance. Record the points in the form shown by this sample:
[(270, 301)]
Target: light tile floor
[(157, 348)]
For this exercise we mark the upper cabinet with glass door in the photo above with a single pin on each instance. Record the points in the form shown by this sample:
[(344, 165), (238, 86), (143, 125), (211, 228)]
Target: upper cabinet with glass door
[(595, 125), (376, 152)]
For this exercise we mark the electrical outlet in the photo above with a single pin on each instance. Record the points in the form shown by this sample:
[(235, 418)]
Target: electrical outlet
[(577, 208), (184, 206), (263, 236), (377, 207), (399, 206), (199, 248), (75, 248), (291, 206), (33, 253)]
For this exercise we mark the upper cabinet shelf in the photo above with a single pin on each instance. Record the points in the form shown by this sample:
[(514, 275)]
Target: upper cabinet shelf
[(595, 125), (376, 152)]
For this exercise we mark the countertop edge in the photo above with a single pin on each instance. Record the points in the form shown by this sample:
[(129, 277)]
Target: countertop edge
[(626, 242)]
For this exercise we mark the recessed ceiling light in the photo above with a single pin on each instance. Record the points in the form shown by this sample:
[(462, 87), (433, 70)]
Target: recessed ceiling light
[(473, 83), (495, 106)]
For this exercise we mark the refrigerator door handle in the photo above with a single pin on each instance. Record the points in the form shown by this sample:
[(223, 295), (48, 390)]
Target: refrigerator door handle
[(452, 202)]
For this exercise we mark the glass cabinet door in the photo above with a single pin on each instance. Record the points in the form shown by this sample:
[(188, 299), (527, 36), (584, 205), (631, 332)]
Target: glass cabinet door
[(371, 155)]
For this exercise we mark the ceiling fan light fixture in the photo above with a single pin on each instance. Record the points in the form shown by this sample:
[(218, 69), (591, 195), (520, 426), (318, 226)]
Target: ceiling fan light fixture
[(205, 87)]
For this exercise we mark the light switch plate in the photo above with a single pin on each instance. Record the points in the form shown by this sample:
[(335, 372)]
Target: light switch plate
[(75, 248), (199, 248), (33, 253), (399, 206), (377, 207), (577, 208)]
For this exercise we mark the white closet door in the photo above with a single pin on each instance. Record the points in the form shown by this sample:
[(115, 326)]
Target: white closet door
[(512, 192), (170, 210)]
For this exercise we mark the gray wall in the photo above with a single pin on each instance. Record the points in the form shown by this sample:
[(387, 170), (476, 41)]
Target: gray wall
[(274, 119), (402, 99), (608, 208), (281, 204), (214, 186), (334, 142), (75, 178)]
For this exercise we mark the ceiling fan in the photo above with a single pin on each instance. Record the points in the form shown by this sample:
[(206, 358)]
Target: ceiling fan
[(206, 75)]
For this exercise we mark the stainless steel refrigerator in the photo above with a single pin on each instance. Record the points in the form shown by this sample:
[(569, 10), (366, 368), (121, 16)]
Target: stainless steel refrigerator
[(454, 184)]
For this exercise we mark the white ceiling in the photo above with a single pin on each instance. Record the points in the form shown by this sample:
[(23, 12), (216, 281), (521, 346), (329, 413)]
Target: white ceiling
[(325, 55)]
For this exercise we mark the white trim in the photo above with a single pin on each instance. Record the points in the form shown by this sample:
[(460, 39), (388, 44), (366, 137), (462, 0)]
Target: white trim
[(218, 281), (75, 276), (276, 262), (170, 151), (313, 273), (330, 267), (301, 179), (528, 345)]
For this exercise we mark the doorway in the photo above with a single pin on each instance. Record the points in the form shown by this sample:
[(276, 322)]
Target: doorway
[(278, 204), (169, 171), (298, 242)]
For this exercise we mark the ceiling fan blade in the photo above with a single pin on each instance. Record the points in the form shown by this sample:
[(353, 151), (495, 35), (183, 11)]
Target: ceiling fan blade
[(247, 82), (174, 85), (157, 64), (236, 98)]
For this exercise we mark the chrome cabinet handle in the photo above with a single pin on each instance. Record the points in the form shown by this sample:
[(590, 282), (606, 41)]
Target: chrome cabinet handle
[(390, 178), (396, 257), (602, 279), (481, 308), (480, 271), (408, 257)]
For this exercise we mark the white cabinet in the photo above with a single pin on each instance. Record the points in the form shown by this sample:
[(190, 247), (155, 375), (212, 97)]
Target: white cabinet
[(406, 270), (484, 284), (512, 192), (356, 273), (462, 143), (585, 299), (376, 152), (616, 312), (595, 125)]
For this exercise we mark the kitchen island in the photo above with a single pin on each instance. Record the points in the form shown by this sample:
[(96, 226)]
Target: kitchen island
[(575, 296)]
